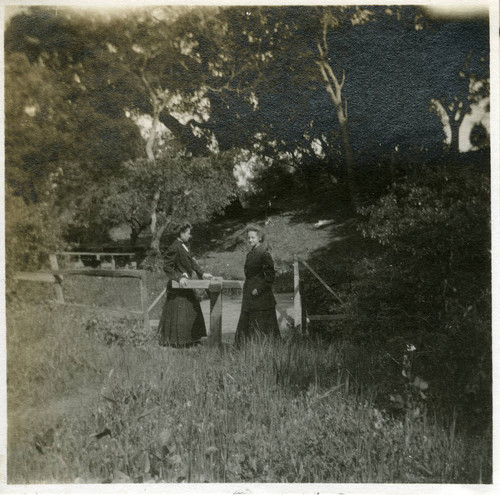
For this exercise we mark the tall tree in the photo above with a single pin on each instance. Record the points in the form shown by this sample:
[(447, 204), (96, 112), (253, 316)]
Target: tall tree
[(104, 71), (169, 190), (36, 134), (311, 65), (47, 54)]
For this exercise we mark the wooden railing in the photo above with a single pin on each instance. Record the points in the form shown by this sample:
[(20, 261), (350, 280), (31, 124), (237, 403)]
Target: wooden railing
[(215, 286), (305, 317)]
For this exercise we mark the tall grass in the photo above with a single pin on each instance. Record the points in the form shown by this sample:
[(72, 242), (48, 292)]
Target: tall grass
[(91, 399)]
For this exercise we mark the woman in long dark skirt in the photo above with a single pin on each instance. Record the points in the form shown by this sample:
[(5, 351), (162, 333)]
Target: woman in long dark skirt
[(181, 323), (258, 307)]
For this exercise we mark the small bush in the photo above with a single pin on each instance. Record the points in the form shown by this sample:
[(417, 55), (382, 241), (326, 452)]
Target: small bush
[(119, 331)]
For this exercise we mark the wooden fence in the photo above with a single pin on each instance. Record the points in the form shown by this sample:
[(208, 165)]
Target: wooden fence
[(306, 318), (215, 287), (300, 321), (56, 276)]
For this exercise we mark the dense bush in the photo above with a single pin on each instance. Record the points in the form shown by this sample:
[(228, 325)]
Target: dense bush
[(31, 232), (430, 285)]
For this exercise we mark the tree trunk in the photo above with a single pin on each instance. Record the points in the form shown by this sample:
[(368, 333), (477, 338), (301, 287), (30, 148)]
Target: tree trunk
[(155, 245), (455, 128), (134, 235), (348, 156), (159, 222), (155, 241), (152, 132), (334, 89), (136, 227)]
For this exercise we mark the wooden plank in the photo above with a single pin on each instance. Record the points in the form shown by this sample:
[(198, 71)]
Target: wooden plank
[(216, 314), (327, 287), (96, 272), (326, 317), (192, 284), (297, 303), (155, 302), (35, 277), (215, 285), (57, 286), (205, 284), (283, 315)]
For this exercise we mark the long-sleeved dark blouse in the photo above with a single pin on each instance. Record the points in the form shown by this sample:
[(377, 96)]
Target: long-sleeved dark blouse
[(178, 261), (259, 274)]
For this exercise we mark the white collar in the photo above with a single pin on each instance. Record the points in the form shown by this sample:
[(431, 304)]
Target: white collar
[(183, 245)]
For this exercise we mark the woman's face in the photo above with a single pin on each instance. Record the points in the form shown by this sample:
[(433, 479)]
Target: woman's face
[(185, 236), (253, 238)]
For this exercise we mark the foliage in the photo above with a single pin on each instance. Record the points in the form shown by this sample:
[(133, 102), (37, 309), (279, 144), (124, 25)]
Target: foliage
[(218, 79), (52, 118), (238, 75), (31, 233), (102, 76), (118, 331), (479, 136), (36, 132), (430, 286), (164, 193)]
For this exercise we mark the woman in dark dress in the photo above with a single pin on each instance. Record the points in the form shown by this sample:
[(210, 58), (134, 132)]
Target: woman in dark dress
[(181, 323), (258, 308)]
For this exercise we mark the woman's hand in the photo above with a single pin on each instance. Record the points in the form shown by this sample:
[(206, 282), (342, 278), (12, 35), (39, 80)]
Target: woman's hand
[(255, 292), (183, 282), (207, 276)]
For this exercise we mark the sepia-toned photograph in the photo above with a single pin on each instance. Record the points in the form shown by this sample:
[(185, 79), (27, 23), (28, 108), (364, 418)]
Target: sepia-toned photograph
[(248, 245)]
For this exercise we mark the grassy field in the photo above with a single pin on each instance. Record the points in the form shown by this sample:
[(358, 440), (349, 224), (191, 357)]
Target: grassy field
[(93, 399)]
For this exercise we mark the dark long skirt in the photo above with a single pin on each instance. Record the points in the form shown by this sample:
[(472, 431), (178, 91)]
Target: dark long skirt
[(256, 324), (181, 323)]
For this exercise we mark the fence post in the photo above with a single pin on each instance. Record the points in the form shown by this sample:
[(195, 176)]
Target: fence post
[(57, 285), (297, 303), (144, 302), (215, 290)]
